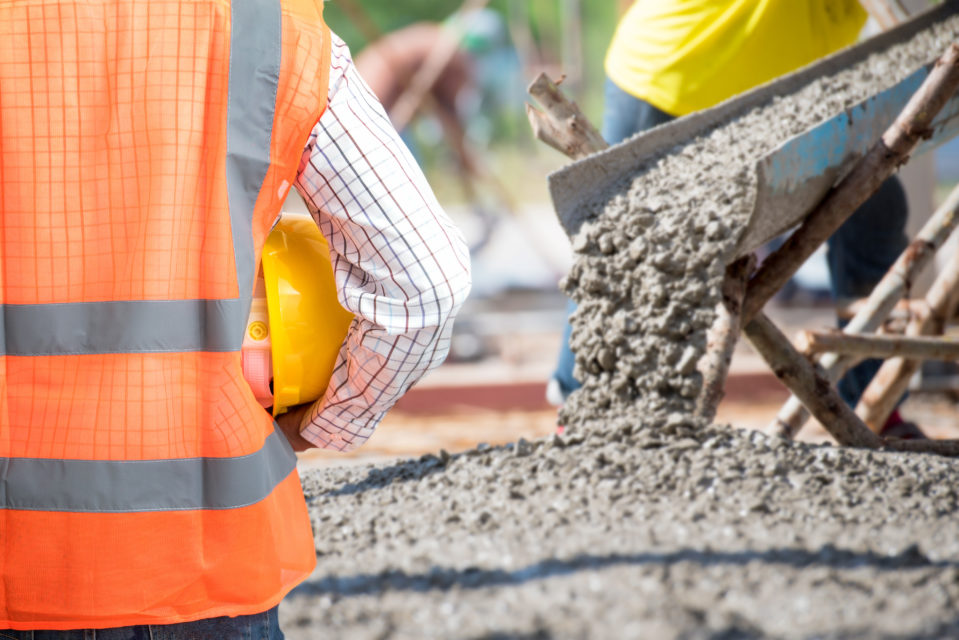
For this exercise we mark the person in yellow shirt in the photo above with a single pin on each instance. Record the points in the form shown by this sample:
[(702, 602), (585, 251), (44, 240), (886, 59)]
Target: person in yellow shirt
[(682, 56), (670, 58)]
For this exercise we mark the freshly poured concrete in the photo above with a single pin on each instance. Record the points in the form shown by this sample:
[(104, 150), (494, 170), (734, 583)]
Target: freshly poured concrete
[(642, 523), (658, 531)]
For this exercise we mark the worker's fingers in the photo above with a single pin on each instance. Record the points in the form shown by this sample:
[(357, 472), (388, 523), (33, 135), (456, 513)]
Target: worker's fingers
[(290, 425)]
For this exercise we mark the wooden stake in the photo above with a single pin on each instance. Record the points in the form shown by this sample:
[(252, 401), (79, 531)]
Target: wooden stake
[(561, 124), (808, 384), (883, 393), (902, 312), (873, 346), (891, 151), (884, 297), (722, 337)]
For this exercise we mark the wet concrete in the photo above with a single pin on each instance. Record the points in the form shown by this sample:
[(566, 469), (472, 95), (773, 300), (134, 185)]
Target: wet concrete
[(642, 523), (661, 530)]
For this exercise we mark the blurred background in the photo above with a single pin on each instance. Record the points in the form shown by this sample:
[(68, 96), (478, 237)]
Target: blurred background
[(453, 77)]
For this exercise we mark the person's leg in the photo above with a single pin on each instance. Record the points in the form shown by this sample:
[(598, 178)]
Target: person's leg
[(563, 374), (859, 254), (624, 115), (76, 634), (259, 626)]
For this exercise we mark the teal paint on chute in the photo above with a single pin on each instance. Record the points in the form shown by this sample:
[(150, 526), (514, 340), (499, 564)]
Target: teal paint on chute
[(829, 145)]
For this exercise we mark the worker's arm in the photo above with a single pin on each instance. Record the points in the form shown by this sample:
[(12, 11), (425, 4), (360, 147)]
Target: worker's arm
[(400, 265)]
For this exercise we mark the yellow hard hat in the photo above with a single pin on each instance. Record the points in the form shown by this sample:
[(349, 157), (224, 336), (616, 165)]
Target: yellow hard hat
[(296, 326)]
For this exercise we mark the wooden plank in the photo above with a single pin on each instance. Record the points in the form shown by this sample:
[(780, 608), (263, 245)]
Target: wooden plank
[(878, 346)]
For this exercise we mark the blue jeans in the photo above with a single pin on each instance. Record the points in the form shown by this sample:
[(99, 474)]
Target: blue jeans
[(260, 626), (859, 253)]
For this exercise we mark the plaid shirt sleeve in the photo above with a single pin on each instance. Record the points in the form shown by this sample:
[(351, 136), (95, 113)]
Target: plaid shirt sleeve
[(401, 266)]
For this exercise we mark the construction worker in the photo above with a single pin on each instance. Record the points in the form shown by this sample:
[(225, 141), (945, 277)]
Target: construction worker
[(391, 62), (670, 58), (146, 149)]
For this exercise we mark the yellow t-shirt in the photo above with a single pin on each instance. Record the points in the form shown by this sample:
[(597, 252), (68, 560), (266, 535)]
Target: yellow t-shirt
[(685, 55)]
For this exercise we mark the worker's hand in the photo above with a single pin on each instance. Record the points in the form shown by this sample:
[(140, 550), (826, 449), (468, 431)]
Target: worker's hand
[(290, 425)]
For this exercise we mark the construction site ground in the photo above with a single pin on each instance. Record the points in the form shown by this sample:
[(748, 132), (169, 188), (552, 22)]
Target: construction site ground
[(502, 398)]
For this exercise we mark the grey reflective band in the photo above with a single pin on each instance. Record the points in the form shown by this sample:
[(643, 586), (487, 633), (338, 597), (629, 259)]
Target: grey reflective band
[(93, 486), (254, 77), (137, 326)]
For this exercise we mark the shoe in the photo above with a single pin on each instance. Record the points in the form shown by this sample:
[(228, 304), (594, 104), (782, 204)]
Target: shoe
[(554, 396), (896, 427), (554, 393)]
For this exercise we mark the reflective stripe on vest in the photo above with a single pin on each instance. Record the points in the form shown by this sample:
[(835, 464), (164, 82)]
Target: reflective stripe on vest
[(91, 486), (129, 326), (254, 74)]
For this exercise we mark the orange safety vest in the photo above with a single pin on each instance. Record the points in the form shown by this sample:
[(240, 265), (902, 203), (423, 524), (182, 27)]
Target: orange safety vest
[(146, 148)]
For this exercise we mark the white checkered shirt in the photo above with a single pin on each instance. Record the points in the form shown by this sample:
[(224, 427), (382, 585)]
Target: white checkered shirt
[(401, 266)]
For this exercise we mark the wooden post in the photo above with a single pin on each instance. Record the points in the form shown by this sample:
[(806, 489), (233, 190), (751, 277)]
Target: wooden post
[(722, 337), (561, 124), (802, 378), (903, 310), (884, 297), (886, 156), (883, 393), (876, 346)]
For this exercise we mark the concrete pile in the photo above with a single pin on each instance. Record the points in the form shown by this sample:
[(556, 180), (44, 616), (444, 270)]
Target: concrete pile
[(640, 523), (655, 530)]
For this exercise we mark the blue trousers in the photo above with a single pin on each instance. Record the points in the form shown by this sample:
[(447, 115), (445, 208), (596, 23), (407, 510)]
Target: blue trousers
[(859, 253), (261, 626)]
